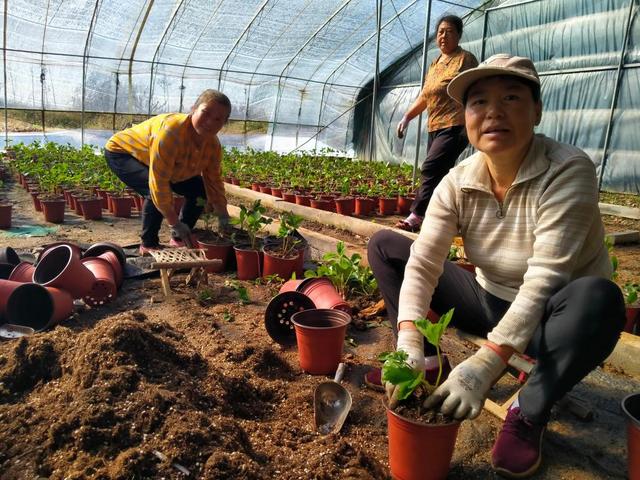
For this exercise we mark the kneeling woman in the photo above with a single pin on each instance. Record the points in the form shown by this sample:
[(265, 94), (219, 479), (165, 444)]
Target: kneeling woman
[(174, 152), (526, 207)]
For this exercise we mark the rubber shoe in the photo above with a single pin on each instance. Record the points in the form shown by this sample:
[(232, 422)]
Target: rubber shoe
[(517, 452), (176, 242), (147, 250), (373, 378)]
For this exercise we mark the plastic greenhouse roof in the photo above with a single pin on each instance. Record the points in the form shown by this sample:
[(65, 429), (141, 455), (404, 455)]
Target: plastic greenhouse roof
[(165, 46)]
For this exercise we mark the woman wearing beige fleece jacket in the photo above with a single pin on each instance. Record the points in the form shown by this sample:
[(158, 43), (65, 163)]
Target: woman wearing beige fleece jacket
[(526, 207)]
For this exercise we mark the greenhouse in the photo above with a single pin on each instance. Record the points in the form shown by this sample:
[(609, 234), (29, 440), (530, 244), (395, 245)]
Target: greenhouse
[(309, 82), (320, 239)]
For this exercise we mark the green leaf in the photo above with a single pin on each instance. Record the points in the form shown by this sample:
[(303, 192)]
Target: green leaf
[(434, 331)]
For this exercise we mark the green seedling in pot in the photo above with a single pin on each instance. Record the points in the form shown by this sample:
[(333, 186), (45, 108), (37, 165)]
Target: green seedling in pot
[(345, 272), (397, 371), (630, 291), (252, 221), (289, 223)]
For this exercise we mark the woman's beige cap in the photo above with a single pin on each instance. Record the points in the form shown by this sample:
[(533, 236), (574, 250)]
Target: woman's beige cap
[(499, 64)]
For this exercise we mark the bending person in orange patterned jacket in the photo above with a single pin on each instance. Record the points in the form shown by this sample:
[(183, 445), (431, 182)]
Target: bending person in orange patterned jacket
[(174, 152)]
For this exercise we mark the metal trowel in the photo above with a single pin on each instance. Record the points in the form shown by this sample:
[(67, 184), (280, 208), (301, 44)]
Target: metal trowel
[(331, 404)]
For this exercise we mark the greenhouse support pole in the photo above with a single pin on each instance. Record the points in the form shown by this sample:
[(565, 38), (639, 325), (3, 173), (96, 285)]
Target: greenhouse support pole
[(4, 72), (485, 22), (616, 92), (115, 102), (84, 68), (376, 81), (425, 48)]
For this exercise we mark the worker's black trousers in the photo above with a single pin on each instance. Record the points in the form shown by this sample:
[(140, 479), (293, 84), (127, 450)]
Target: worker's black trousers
[(445, 146), (580, 327), (135, 174)]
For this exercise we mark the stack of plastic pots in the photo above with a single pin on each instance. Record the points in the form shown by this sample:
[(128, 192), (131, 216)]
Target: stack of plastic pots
[(41, 295), (313, 315)]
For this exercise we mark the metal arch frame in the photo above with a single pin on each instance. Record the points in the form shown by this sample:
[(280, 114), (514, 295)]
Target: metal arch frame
[(135, 47), (157, 51), (353, 53), (117, 83), (84, 66), (4, 72), (425, 51), (302, 47), (616, 93), (42, 74), (246, 29), (186, 64), (376, 80), (255, 72)]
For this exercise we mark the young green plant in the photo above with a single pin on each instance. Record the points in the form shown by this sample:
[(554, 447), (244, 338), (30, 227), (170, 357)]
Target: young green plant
[(397, 371)]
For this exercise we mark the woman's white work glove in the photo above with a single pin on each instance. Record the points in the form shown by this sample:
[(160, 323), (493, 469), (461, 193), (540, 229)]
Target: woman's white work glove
[(183, 232), (402, 127), (410, 341), (464, 392)]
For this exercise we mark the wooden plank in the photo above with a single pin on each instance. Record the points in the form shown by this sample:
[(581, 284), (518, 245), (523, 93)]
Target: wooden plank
[(166, 286)]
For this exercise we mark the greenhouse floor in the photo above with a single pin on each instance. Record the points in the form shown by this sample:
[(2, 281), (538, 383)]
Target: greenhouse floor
[(152, 386)]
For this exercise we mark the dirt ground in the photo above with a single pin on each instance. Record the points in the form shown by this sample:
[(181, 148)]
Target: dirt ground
[(154, 387)]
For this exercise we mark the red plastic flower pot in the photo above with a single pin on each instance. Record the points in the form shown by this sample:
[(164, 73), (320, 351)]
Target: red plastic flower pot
[(104, 288), (364, 206), (419, 451), (404, 204), (121, 206), (255, 186), (291, 285), (304, 200), (38, 307), (249, 263), (23, 272), (217, 251), (345, 205), (321, 204), (5, 215), (289, 197), (277, 265), (323, 294), (36, 201), (53, 210), (116, 265), (387, 205), (631, 408), (320, 334), (91, 208), (61, 268), (77, 251), (104, 198), (6, 289), (633, 313), (265, 189), (77, 208), (276, 192)]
